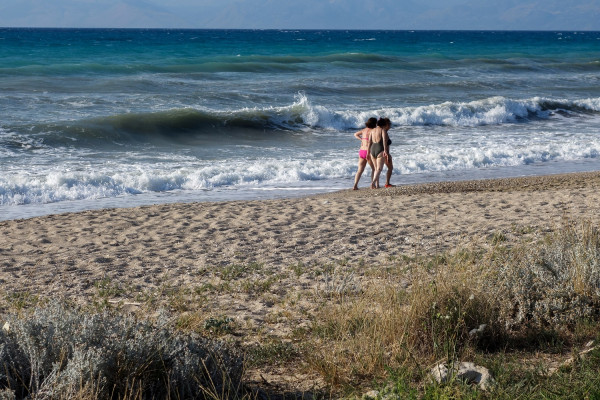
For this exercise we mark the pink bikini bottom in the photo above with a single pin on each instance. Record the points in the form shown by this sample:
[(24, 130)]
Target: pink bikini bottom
[(363, 154)]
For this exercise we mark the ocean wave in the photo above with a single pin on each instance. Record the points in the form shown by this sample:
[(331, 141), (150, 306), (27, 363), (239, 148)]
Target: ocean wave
[(258, 63), (490, 111), (252, 63), (494, 155), (300, 116), (176, 124)]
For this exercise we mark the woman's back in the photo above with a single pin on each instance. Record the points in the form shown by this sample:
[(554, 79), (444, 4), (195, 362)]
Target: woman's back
[(365, 138), (376, 135)]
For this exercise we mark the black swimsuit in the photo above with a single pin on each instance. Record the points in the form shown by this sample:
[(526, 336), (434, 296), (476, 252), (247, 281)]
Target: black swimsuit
[(376, 148)]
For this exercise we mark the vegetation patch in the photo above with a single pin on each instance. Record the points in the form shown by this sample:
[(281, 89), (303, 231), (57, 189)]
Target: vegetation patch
[(60, 352)]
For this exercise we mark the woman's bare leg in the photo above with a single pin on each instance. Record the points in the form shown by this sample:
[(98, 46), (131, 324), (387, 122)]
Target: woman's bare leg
[(362, 163), (390, 168), (379, 167)]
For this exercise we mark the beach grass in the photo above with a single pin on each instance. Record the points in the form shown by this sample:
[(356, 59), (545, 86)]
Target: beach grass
[(530, 301)]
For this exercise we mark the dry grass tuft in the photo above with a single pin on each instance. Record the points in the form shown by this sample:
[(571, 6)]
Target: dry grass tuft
[(459, 303)]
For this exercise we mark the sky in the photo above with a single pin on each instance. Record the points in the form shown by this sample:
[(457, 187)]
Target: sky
[(305, 14)]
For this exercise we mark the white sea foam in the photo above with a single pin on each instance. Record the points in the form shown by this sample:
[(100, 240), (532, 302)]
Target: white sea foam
[(54, 186), (421, 154), (491, 111)]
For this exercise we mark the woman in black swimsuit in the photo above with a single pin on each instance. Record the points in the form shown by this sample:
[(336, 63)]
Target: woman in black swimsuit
[(386, 124), (378, 153)]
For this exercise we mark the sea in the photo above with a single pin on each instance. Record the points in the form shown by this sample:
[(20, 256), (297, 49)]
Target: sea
[(101, 118)]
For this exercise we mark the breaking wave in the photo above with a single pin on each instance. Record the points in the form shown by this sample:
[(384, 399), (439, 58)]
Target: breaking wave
[(304, 116)]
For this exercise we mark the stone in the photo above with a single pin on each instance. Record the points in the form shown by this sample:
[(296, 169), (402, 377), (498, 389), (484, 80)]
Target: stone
[(373, 394), (477, 332), (464, 371)]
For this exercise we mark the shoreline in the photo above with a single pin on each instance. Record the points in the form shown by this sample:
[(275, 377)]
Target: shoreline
[(297, 190)]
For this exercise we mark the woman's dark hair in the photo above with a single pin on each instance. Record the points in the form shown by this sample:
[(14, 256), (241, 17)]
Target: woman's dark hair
[(371, 123), (384, 122)]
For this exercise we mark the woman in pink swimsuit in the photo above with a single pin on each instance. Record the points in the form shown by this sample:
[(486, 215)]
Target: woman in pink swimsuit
[(364, 136)]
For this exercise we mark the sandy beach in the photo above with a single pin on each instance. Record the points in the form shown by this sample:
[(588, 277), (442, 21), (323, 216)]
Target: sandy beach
[(148, 246)]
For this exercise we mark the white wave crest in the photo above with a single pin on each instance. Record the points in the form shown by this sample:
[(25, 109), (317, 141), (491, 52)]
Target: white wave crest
[(490, 111)]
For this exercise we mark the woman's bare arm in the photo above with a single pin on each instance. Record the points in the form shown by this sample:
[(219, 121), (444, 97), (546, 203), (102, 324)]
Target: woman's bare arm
[(358, 134), (384, 138)]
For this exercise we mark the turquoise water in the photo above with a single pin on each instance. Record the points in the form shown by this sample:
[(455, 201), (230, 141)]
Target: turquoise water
[(97, 117)]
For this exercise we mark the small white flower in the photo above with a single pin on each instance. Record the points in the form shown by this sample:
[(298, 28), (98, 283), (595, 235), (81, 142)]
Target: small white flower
[(471, 297), (6, 327)]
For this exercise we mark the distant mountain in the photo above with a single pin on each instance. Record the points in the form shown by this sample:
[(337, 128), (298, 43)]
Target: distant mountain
[(307, 14)]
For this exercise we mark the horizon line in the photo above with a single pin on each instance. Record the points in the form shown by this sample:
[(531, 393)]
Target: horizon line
[(301, 29)]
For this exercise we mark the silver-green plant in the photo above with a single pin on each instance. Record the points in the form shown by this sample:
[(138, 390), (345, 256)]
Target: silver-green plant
[(555, 284), (60, 352)]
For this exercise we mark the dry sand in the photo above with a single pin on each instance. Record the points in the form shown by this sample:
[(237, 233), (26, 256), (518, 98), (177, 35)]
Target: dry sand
[(265, 264)]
